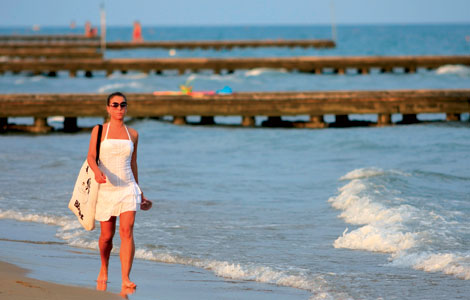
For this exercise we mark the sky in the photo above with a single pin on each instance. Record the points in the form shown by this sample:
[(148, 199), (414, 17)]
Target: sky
[(232, 12)]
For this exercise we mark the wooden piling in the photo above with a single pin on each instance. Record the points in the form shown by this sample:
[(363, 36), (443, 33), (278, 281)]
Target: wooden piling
[(409, 119), (207, 120), (70, 124), (342, 119), (3, 124), (248, 121), (384, 119), (179, 120), (453, 117), (315, 122), (40, 126)]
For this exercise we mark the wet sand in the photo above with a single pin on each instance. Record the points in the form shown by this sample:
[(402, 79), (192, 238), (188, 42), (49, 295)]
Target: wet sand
[(14, 284)]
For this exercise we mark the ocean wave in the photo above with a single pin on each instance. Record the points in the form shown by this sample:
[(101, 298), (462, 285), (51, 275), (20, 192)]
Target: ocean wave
[(375, 239), (315, 284), (457, 265), (370, 172), (389, 226), (260, 71), (66, 223), (459, 70), (72, 233)]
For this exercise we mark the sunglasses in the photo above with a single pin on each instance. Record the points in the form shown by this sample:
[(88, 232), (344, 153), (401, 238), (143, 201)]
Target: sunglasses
[(116, 105)]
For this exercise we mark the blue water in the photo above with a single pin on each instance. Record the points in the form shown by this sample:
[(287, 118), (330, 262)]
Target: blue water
[(356, 213)]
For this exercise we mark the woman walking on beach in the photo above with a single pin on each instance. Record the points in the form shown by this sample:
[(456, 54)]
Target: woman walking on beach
[(119, 193)]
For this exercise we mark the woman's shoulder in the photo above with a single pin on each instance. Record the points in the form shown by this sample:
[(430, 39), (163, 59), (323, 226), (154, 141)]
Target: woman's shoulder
[(134, 134)]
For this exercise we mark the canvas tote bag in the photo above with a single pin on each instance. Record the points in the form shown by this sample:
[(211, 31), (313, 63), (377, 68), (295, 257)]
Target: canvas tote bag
[(85, 192)]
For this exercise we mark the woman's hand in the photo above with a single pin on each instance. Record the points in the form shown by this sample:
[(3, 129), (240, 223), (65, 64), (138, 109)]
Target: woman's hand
[(145, 204), (100, 177)]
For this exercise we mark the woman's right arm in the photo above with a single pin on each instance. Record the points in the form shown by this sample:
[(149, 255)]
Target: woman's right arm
[(91, 158)]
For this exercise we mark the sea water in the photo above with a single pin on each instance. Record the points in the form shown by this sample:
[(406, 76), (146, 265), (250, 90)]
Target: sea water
[(354, 213)]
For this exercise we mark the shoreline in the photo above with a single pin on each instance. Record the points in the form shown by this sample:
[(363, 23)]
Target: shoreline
[(57, 268)]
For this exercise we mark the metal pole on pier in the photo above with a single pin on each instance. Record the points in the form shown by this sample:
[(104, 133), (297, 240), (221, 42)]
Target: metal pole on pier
[(103, 28), (333, 25)]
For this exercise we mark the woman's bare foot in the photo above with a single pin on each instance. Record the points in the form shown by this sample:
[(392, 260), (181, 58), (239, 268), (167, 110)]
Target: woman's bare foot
[(101, 285), (125, 291), (127, 283), (103, 276)]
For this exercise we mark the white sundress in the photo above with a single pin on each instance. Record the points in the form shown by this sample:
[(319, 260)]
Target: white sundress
[(120, 193)]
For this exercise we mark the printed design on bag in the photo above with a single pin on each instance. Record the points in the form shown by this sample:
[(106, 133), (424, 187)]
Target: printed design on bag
[(77, 205), (85, 187)]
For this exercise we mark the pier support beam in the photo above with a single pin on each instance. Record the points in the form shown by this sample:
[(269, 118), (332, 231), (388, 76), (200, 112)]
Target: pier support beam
[(386, 70), (207, 120), (109, 73), (88, 74), (72, 74), (409, 119), (410, 70), (3, 124), (384, 119), (248, 121), (315, 122), (70, 124), (452, 117), (179, 120), (341, 119), (40, 126)]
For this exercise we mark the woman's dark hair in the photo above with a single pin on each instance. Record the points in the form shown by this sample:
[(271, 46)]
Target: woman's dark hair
[(114, 95)]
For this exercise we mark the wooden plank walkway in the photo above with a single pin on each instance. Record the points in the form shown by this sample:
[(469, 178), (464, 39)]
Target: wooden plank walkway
[(51, 53), (47, 38), (119, 45), (311, 64), (247, 105), (218, 45)]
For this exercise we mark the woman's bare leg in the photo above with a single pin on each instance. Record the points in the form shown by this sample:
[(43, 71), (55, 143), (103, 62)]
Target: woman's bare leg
[(126, 230), (106, 245)]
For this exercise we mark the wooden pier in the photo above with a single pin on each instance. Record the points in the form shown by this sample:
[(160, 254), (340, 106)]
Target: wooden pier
[(60, 43), (219, 45), (48, 53), (34, 38), (315, 105), (310, 64)]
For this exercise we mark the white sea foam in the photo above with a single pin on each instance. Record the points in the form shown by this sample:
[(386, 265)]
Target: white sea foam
[(460, 70), (457, 265), (63, 222), (115, 86), (370, 172), (376, 239), (386, 228), (259, 71), (316, 284)]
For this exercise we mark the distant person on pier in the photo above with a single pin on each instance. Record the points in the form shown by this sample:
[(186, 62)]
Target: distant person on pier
[(90, 31), (137, 32)]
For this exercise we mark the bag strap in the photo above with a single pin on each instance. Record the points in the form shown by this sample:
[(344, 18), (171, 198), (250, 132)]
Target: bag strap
[(98, 142)]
